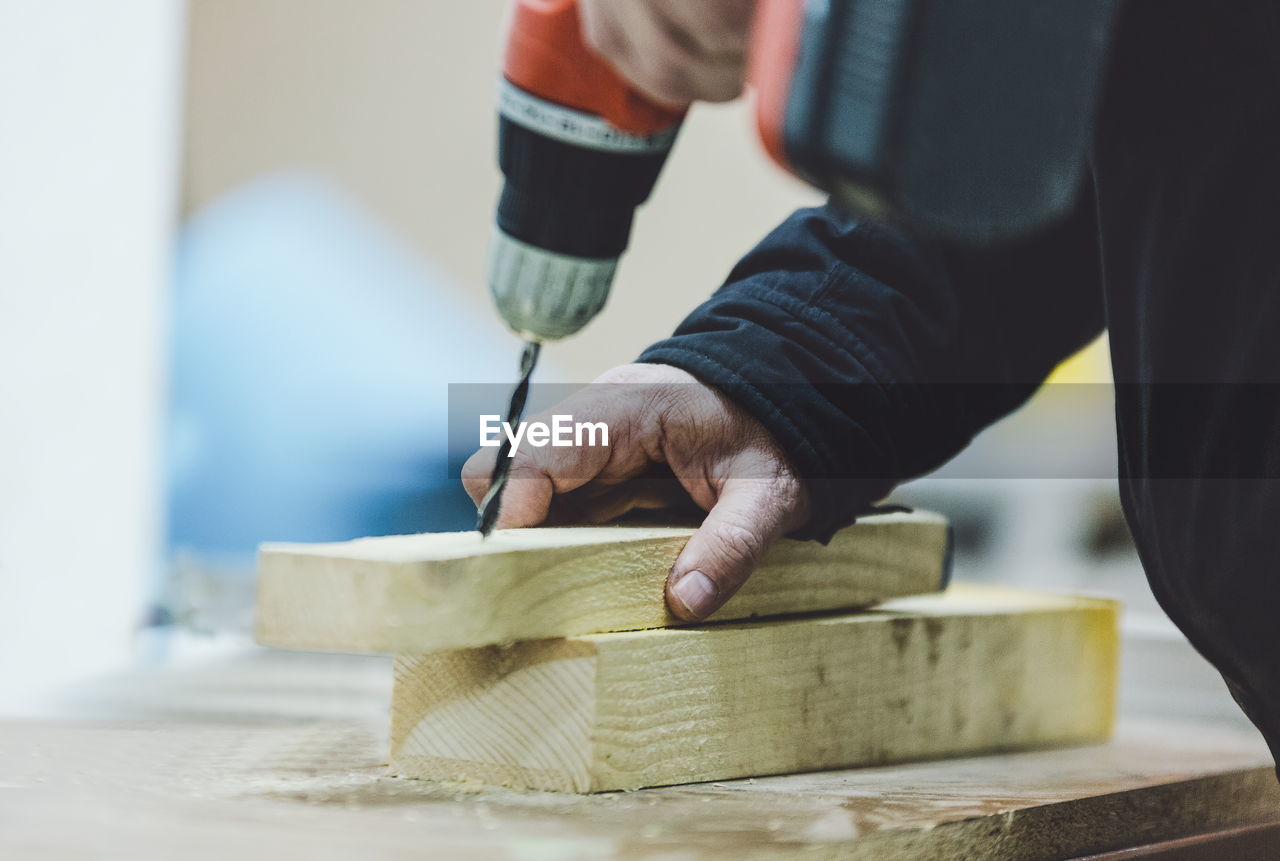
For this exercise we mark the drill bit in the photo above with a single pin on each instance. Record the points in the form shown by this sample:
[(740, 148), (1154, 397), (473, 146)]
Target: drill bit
[(492, 502)]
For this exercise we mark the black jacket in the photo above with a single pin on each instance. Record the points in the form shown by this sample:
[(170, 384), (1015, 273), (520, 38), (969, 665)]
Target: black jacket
[(873, 357)]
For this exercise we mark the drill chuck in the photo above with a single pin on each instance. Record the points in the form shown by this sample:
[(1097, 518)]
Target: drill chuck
[(542, 295)]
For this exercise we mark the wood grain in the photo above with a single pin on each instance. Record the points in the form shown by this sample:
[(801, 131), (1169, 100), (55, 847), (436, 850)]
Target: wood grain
[(972, 669), (414, 594)]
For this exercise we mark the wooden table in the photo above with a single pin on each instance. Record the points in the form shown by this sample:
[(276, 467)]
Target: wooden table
[(280, 756)]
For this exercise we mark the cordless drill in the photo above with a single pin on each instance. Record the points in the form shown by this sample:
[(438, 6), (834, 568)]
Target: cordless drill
[(967, 120), (580, 150)]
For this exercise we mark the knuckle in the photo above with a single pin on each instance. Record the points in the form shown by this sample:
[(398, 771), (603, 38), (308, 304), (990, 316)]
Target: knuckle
[(475, 468), (737, 544), (733, 18), (646, 372), (628, 375), (788, 498), (667, 75), (602, 36), (533, 463), (697, 407), (716, 28), (785, 491), (722, 91)]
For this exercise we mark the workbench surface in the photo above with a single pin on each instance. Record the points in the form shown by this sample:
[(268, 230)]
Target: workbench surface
[(278, 756)]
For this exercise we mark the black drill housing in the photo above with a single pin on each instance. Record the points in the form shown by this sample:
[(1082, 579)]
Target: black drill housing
[(970, 119)]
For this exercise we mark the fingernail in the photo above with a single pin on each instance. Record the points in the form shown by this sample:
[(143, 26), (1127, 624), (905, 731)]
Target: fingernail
[(697, 593)]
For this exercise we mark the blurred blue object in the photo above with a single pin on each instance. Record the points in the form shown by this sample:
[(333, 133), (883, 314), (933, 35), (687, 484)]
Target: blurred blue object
[(311, 358)]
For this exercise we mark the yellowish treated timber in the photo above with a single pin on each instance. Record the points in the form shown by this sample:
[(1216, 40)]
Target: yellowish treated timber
[(974, 669), (413, 594)]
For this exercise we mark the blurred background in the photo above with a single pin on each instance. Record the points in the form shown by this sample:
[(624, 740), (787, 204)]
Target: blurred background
[(242, 249)]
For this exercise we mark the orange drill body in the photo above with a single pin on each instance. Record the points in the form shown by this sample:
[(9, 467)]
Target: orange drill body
[(547, 57)]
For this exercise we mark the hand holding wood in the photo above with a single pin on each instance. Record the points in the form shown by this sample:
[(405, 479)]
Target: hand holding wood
[(716, 455)]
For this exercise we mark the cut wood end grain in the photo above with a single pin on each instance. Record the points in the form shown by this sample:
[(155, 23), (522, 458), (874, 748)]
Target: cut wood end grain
[(921, 678), (414, 594)]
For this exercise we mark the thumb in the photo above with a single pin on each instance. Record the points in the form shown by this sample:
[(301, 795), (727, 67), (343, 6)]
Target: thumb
[(749, 515)]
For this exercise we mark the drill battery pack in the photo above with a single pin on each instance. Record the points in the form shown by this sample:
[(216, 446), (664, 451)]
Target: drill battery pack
[(969, 119)]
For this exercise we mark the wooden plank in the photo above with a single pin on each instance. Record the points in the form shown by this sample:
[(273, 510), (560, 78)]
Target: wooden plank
[(270, 788), (973, 669), (419, 593), (211, 760)]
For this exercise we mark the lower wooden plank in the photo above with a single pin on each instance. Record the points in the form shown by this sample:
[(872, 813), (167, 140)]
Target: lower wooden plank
[(973, 669)]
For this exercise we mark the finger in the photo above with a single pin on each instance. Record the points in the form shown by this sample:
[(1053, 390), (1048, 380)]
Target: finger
[(534, 479), (718, 80), (591, 505), (539, 473), (718, 29), (652, 477), (622, 403), (649, 54), (476, 473), (603, 30), (711, 60), (534, 497), (749, 515), (526, 500), (672, 56)]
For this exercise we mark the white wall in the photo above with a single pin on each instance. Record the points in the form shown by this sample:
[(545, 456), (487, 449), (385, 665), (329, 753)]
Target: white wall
[(89, 110)]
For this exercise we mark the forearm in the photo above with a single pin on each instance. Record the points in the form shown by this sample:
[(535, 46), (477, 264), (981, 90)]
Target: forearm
[(873, 358)]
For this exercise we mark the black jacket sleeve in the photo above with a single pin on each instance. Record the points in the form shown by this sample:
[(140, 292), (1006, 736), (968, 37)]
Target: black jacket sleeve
[(872, 357)]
